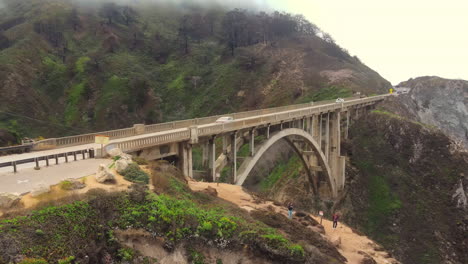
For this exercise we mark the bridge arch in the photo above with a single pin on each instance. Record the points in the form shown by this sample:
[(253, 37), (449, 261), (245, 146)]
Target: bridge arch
[(246, 168)]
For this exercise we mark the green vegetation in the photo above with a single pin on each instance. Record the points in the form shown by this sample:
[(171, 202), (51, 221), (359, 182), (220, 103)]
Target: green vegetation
[(290, 169), (33, 261), (196, 257), (126, 254), (176, 219), (67, 260), (140, 161), (328, 93), (134, 173), (392, 115)]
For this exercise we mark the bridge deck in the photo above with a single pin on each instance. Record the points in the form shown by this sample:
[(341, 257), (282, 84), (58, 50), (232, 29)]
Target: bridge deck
[(179, 134)]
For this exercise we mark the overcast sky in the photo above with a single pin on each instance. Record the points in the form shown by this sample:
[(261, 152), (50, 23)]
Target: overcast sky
[(399, 39)]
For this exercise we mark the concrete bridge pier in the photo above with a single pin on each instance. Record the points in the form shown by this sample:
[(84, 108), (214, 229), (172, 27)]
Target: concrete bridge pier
[(205, 154), (327, 137), (252, 142), (316, 128), (185, 159), (233, 161), (212, 157), (336, 161)]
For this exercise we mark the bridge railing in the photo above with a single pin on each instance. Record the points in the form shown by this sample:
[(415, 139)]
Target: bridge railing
[(136, 144), (237, 124), (128, 132)]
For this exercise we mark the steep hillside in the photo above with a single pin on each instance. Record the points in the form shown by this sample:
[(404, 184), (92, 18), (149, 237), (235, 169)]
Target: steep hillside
[(438, 102), (170, 224), (406, 188), (67, 68)]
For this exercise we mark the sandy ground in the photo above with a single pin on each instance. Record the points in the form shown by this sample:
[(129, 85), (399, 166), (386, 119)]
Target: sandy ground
[(351, 243)]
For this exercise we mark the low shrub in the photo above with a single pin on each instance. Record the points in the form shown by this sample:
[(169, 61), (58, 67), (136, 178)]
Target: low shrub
[(140, 161), (33, 261), (133, 173), (126, 254), (66, 185), (67, 260)]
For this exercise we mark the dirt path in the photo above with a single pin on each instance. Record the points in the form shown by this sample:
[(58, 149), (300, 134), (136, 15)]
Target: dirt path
[(351, 243)]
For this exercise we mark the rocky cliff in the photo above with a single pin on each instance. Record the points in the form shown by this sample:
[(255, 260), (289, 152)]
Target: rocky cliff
[(438, 102)]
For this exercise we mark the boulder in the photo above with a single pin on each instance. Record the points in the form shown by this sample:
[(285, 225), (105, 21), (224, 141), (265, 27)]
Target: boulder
[(8, 200), (115, 152), (41, 188), (121, 165), (104, 175), (126, 156)]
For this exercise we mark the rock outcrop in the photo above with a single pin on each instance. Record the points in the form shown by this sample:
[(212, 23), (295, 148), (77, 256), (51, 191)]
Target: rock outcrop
[(438, 102), (104, 175), (8, 200)]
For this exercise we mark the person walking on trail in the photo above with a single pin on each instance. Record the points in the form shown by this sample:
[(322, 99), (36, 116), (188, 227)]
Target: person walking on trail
[(335, 217), (290, 210)]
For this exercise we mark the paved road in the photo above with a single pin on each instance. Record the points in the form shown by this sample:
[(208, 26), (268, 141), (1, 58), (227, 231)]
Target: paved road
[(26, 179)]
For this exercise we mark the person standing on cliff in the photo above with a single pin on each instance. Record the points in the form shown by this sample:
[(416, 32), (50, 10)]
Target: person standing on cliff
[(335, 218), (290, 210)]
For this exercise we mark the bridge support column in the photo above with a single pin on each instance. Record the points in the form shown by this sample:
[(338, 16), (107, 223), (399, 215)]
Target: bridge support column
[(252, 142), (225, 144), (268, 132), (327, 137), (347, 125), (185, 159), (320, 131), (212, 158), (234, 156), (336, 162), (205, 154), (315, 128)]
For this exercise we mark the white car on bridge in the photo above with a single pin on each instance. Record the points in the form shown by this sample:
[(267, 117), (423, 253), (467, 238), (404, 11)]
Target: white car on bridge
[(224, 119), (339, 100)]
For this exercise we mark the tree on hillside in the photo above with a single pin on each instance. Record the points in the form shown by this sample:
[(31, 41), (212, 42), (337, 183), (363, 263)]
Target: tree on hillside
[(111, 11), (75, 19), (211, 17), (234, 23), (129, 15), (185, 30)]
